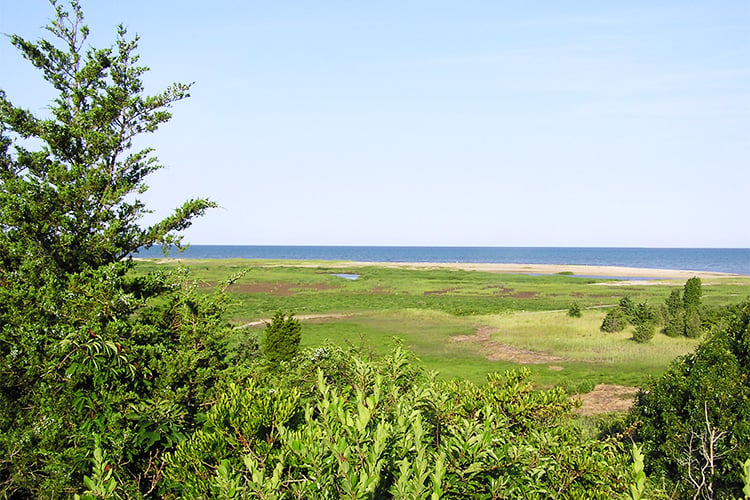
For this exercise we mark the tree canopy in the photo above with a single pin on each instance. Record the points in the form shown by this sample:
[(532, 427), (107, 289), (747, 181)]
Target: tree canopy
[(86, 358)]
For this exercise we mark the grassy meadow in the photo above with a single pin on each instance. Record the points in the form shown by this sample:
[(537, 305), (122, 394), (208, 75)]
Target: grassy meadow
[(459, 323)]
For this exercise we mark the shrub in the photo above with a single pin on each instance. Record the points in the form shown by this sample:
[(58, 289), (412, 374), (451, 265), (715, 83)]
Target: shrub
[(644, 321), (614, 321), (694, 421), (674, 314), (283, 335), (575, 310), (385, 429), (628, 307), (693, 323)]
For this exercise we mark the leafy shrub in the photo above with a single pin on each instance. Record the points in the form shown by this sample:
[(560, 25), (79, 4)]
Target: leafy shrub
[(385, 429), (674, 314), (644, 321), (283, 335), (693, 323), (628, 307), (614, 321), (575, 310)]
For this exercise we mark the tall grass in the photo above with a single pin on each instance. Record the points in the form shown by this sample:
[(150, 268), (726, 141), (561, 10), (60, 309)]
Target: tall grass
[(426, 308)]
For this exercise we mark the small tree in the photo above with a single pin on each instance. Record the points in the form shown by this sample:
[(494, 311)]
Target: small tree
[(283, 335), (693, 293), (692, 302), (644, 321), (674, 317), (83, 352), (693, 323), (628, 307), (575, 310), (614, 321)]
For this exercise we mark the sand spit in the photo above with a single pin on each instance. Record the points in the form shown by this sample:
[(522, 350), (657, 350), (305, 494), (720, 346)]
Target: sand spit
[(545, 269)]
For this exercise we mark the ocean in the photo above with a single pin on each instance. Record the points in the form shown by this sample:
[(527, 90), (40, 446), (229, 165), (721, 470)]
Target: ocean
[(726, 260)]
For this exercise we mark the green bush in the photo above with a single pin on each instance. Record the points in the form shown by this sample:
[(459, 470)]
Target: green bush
[(384, 429), (693, 323), (614, 321), (674, 314), (283, 335), (694, 421), (575, 310), (92, 358), (628, 307), (644, 322)]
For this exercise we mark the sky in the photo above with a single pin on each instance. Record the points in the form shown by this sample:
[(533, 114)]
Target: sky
[(439, 123)]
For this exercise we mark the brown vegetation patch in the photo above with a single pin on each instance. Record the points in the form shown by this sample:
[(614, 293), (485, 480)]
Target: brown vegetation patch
[(379, 290), (524, 295), (499, 289), (606, 398), (495, 351)]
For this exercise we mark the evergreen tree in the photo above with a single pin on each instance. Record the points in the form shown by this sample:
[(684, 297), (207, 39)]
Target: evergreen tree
[(674, 314), (283, 335), (644, 321), (628, 307), (691, 298), (83, 355), (614, 321), (574, 311)]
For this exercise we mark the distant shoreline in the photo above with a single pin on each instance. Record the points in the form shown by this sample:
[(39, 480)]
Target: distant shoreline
[(574, 270), (729, 261)]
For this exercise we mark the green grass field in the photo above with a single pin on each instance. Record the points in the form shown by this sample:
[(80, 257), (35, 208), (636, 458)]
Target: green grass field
[(437, 313)]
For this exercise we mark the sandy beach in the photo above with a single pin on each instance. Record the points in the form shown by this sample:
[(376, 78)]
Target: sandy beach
[(542, 269), (578, 270)]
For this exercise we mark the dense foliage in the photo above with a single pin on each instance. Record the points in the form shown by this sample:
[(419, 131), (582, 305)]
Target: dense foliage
[(85, 354), (283, 335), (682, 314), (642, 316), (117, 385), (335, 425), (574, 311), (694, 421)]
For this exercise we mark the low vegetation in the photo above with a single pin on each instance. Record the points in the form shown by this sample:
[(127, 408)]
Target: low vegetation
[(152, 380)]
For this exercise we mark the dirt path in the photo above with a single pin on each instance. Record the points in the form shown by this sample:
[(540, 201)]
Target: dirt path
[(604, 398), (607, 398), (495, 351)]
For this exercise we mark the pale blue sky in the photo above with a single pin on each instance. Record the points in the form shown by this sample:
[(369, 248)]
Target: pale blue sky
[(547, 123)]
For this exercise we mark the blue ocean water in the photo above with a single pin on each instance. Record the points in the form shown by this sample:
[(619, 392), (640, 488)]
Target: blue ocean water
[(727, 260)]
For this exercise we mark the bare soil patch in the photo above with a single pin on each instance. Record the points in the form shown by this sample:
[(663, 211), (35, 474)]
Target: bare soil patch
[(495, 351), (606, 398)]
